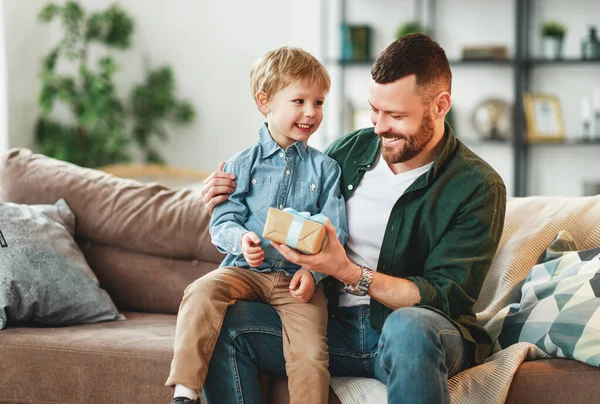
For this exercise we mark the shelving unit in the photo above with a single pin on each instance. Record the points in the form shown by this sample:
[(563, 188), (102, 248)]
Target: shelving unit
[(523, 65)]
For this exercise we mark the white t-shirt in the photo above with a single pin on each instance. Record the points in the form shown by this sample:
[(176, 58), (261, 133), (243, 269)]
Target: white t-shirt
[(368, 211)]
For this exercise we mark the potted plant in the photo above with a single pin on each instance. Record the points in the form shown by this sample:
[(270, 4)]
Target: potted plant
[(553, 34), (101, 126), (410, 27)]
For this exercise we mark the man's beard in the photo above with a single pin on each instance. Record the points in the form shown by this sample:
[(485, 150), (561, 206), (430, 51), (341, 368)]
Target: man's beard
[(413, 145)]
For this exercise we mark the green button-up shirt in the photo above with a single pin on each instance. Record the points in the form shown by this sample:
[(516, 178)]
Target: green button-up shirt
[(442, 232)]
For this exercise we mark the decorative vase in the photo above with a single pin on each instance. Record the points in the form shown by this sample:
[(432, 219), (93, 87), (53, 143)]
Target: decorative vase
[(552, 47), (590, 46)]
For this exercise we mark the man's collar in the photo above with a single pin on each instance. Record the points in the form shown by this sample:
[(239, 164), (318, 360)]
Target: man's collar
[(269, 146)]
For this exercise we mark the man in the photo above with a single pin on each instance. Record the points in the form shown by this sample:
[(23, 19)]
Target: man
[(425, 216)]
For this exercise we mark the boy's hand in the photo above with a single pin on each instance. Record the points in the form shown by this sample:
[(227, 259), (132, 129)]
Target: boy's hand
[(251, 249), (302, 285)]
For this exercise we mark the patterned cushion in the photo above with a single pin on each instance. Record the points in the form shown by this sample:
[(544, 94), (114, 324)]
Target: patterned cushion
[(559, 309)]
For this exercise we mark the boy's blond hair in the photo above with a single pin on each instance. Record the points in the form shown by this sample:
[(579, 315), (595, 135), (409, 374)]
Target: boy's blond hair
[(286, 65)]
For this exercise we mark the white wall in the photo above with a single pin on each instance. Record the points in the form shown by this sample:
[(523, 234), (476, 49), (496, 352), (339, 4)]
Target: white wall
[(3, 90), (211, 46)]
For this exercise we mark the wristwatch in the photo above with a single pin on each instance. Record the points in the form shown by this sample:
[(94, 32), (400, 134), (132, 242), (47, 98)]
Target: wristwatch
[(362, 287)]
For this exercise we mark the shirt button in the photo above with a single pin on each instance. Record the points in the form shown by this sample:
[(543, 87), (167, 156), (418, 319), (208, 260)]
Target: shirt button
[(350, 187), (313, 187), (234, 249), (253, 180), (281, 155), (281, 206), (287, 172)]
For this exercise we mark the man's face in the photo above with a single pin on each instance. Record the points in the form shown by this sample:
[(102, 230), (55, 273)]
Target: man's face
[(403, 123)]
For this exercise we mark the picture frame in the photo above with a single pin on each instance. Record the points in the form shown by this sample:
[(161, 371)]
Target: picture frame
[(544, 118)]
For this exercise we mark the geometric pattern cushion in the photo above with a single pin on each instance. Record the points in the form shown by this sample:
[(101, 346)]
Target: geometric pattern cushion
[(559, 309)]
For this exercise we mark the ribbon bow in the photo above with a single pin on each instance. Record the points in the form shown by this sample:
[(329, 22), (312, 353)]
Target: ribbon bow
[(293, 235)]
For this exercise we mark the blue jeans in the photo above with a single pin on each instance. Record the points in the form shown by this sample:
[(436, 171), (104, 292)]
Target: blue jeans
[(414, 355)]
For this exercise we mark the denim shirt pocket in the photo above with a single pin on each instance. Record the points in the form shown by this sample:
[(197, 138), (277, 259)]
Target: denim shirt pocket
[(257, 197), (306, 196)]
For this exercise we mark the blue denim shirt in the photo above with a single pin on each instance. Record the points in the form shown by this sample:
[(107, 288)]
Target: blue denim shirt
[(299, 177)]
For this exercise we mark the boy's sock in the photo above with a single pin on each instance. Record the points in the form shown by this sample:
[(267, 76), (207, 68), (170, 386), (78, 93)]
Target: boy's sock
[(182, 391)]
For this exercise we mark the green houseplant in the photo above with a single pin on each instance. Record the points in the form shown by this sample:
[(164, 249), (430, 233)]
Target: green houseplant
[(410, 27), (97, 127), (553, 34)]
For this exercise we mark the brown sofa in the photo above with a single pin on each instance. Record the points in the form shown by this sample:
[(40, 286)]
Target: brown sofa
[(145, 243)]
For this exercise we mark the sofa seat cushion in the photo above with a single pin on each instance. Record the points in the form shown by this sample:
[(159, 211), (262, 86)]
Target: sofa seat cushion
[(111, 362), (554, 381)]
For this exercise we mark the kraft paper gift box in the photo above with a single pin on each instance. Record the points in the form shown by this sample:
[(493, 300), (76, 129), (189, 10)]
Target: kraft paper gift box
[(295, 230)]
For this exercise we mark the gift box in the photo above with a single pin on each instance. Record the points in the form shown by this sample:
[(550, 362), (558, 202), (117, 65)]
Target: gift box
[(297, 230)]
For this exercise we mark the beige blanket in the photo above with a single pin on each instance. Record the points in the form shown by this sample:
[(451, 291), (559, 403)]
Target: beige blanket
[(531, 225)]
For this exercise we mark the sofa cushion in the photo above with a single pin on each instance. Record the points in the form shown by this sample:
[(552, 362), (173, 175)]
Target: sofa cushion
[(552, 381), (559, 306), (142, 282), (44, 277), (115, 362), (530, 226), (146, 218)]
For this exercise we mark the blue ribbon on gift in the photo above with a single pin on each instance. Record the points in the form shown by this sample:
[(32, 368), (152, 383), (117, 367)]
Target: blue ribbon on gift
[(298, 219)]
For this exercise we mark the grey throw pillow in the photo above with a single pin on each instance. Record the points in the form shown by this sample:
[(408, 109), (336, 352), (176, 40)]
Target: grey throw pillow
[(44, 277)]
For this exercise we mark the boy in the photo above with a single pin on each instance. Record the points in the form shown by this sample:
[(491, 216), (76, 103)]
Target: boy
[(280, 170)]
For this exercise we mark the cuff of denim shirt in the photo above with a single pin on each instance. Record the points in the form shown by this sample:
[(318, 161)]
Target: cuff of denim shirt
[(318, 276), (233, 245), (429, 294)]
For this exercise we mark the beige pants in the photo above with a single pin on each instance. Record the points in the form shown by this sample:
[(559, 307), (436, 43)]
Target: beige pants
[(304, 328)]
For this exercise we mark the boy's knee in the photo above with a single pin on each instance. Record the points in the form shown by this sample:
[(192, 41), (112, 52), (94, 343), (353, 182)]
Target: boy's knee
[(200, 289)]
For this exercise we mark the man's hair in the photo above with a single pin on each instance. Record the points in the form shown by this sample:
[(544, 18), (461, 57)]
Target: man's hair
[(415, 54), (286, 65)]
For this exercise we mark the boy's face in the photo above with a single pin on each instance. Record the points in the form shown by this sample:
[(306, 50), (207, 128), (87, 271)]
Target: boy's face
[(294, 113)]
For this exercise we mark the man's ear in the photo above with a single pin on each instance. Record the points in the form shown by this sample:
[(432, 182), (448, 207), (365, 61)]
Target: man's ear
[(262, 101), (441, 104)]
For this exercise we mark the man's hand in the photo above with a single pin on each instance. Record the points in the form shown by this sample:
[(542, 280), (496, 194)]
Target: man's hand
[(251, 249), (217, 188), (332, 260), (302, 285)]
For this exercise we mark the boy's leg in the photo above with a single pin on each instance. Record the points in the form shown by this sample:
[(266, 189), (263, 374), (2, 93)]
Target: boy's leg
[(304, 329), (200, 318)]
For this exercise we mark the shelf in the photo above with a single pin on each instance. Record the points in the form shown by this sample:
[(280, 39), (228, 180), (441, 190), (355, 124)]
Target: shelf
[(453, 62), (580, 141), (491, 62), (479, 141), (569, 142), (567, 61)]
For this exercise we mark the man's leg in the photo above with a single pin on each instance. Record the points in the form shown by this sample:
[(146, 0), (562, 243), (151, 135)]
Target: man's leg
[(352, 342), (250, 343), (419, 350)]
